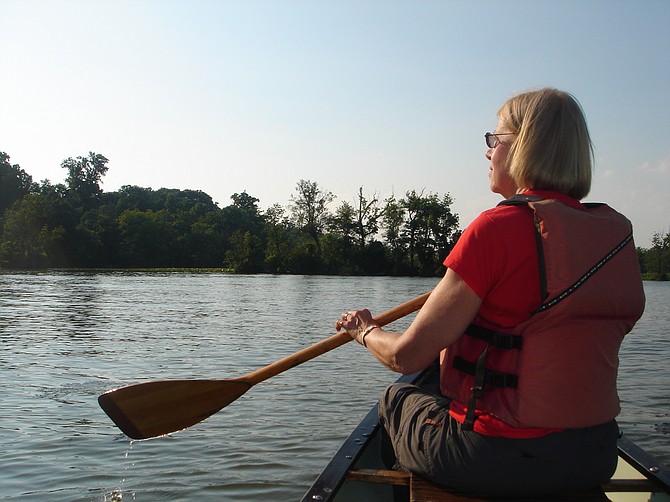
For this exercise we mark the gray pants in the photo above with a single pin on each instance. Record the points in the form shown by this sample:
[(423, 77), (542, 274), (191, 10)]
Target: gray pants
[(428, 441)]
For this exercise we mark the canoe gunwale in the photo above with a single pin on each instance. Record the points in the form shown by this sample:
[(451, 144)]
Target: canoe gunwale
[(334, 474), (644, 463)]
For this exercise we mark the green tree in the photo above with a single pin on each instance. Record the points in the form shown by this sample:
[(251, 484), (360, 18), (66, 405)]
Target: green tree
[(134, 197), (660, 250), (28, 241), (349, 249), (393, 218), (339, 252), (368, 214), (419, 230), (242, 257), (145, 238), (246, 202), (413, 205), (438, 234), (175, 201), (84, 175), (95, 239), (279, 238), (310, 212), (15, 183), (242, 227), (343, 223), (201, 243)]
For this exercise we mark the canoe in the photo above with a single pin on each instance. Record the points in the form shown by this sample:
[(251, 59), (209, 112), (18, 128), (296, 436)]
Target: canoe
[(356, 473)]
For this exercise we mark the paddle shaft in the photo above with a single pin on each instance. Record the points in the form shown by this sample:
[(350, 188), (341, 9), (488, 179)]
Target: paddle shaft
[(153, 409), (331, 343)]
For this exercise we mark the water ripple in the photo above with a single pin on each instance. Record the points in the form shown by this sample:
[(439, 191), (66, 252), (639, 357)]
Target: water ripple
[(68, 337)]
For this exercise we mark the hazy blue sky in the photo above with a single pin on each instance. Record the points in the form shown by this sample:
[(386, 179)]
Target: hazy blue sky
[(225, 96)]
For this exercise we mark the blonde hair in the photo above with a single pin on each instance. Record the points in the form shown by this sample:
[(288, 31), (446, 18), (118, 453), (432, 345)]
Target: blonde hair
[(552, 149)]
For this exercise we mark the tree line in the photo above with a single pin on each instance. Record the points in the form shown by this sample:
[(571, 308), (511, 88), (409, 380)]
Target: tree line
[(76, 224), (655, 262)]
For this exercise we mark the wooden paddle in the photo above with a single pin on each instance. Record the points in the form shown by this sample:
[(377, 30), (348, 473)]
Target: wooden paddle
[(152, 409)]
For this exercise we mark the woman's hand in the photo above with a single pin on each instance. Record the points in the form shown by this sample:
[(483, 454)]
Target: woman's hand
[(446, 314), (356, 322)]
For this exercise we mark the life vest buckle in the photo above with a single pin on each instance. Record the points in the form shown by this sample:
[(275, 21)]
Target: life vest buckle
[(477, 391)]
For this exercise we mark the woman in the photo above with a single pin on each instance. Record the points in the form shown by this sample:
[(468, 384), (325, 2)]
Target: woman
[(527, 322)]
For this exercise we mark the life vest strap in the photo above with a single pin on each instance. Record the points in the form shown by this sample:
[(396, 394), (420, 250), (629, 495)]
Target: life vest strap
[(483, 375), (526, 199), (523, 200), (497, 339), (477, 390), (490, 377), (567, 292)]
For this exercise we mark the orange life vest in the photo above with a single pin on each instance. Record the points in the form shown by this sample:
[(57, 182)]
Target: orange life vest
[(558, 369)]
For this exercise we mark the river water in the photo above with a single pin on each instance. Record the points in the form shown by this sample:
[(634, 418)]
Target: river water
[(66, 337)]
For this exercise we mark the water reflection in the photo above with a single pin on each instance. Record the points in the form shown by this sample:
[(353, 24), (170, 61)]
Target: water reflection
[(643, 375), (68, 337)]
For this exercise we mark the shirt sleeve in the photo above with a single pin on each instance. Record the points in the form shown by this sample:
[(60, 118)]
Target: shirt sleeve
[(474, 257), (497, 258)]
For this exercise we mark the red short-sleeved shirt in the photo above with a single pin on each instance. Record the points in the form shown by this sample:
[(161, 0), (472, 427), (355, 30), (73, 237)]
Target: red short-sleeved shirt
[(497, 258)]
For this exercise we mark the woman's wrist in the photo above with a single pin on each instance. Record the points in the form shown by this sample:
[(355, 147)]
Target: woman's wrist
[(366, 332)]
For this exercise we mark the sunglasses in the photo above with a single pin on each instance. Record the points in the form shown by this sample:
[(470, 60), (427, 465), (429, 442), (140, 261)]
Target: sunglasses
[(492, 138)]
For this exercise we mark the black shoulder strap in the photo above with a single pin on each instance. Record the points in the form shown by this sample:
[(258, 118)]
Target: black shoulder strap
[(522, 199)]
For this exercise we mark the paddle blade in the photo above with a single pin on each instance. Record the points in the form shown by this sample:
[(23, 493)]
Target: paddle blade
[(153, 409)]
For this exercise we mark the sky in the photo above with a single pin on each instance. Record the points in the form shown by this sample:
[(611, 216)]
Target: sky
[(229, 96)]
